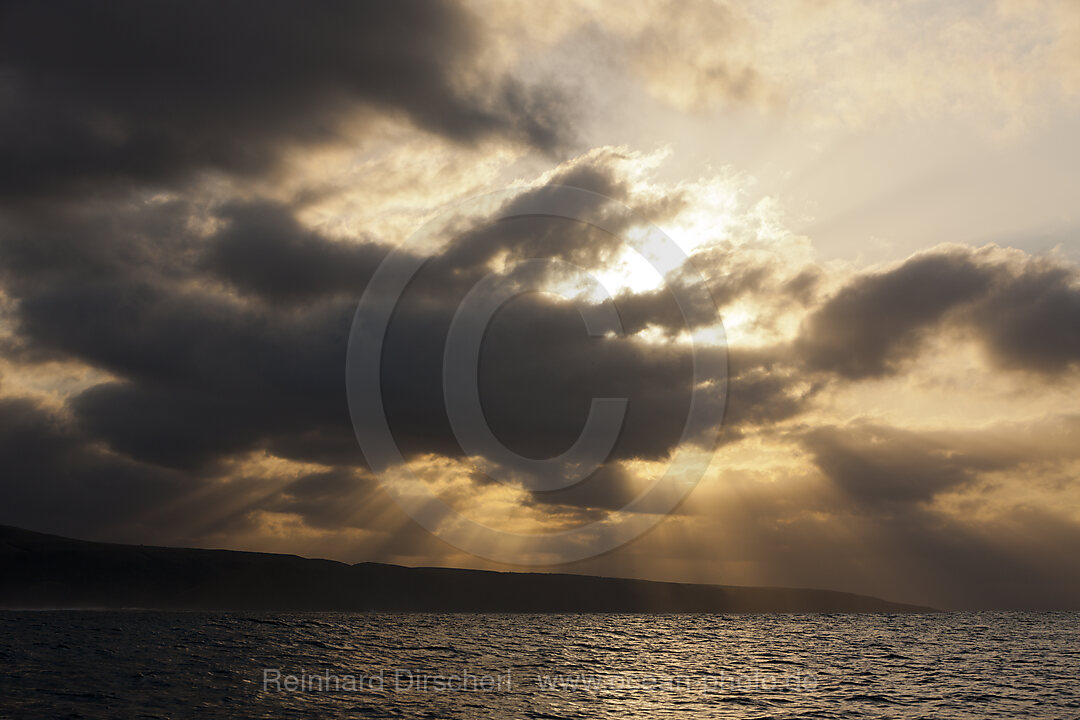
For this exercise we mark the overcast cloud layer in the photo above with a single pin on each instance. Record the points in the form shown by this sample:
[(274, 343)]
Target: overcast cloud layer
[(194, 196)]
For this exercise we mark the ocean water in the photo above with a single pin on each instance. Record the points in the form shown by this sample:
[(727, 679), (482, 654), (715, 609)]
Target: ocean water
[(147, 664)]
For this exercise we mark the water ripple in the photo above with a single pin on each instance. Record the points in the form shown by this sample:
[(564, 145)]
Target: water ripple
[(167, 665)]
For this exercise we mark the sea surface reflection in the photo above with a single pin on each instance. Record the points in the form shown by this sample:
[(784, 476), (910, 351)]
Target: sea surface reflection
[(178, 664)]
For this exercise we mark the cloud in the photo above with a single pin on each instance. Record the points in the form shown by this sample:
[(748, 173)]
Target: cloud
[(879, 320), (222, 329), (154, 94), (698, 58), (57, 479), (880, 466), (611, 487), (976, 518), (693, 59), (264, 251), (179, 188), (1031, 318), (1023, 310), (329, 500), (185, 358), (229, 341), (232, 341)]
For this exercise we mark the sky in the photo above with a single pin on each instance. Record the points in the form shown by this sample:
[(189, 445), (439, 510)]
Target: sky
[(879, 197)]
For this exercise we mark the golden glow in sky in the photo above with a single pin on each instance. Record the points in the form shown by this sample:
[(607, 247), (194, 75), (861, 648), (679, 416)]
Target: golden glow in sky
[(880, 197)]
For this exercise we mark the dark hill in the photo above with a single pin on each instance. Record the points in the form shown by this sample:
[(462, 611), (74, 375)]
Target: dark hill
[(39, 570)]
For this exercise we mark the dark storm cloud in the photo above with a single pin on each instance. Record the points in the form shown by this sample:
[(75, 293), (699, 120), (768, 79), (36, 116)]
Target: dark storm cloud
[(876, 465), (152, 92), (329, 500), (806, 532), (598, 176), (762, 398), (885, 481), (55, 479), (611, 487), (662, 310), (761, 393), (233, 343), (569, 228), (893, 467), (236, 342), (263, 250), (331, 443), (74, 243), (539, 367), (1025, 313), (879, 320), (58, 479), (734, 273), (871, 519), (206, 376), (1031, 319), (201, 374), (731, 274)]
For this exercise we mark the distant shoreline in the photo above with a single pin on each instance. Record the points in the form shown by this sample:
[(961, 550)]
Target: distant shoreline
[(48, 572)]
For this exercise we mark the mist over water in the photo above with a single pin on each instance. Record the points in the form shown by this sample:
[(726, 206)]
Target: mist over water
[(179, 664)]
